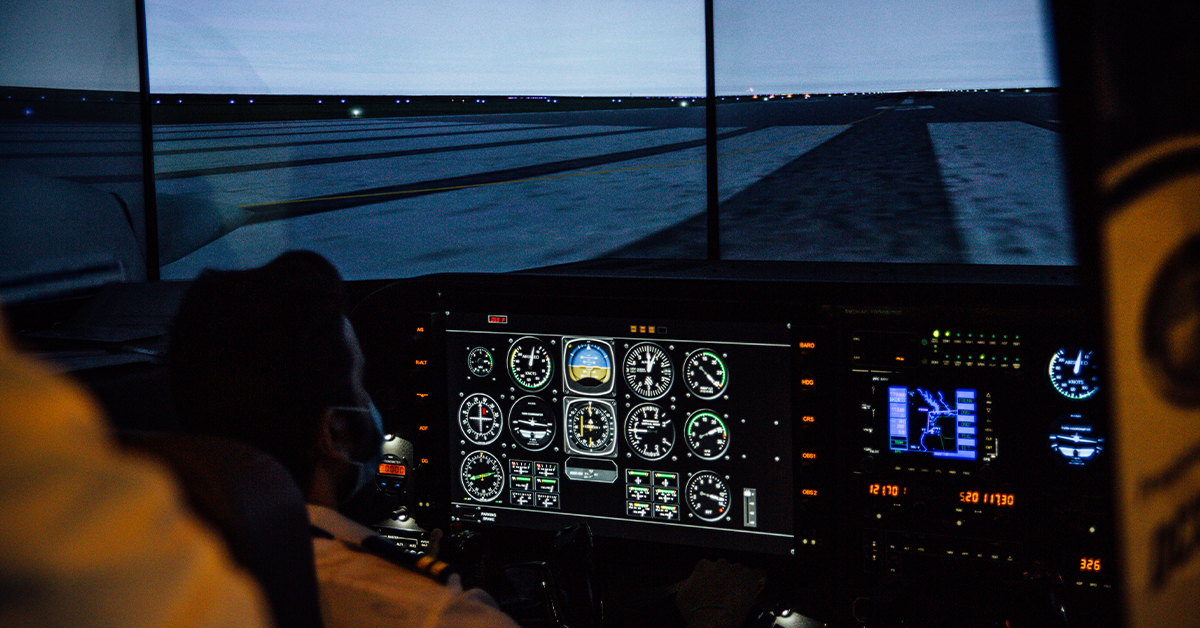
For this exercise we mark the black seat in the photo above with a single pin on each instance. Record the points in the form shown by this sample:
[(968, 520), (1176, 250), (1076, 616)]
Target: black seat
[(256, 506)]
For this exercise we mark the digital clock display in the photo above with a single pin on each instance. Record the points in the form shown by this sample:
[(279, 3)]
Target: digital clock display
[(391, 469), (993, 499)]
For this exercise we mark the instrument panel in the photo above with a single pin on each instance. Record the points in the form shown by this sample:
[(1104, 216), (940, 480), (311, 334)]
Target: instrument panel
[(633, 428), (861, 441)]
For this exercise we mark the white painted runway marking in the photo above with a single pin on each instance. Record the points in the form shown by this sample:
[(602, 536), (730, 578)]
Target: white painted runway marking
[(1005, 182)]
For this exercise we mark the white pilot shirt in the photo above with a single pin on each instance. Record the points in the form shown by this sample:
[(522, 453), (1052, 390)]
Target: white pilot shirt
[(358, 589)]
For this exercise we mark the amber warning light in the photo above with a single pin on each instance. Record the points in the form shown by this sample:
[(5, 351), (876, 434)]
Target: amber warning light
[(391, 469)]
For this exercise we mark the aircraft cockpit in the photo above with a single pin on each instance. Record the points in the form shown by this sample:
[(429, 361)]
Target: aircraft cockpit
[(635, 285)]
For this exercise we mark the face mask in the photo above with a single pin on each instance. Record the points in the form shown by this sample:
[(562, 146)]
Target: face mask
[(371, 443)]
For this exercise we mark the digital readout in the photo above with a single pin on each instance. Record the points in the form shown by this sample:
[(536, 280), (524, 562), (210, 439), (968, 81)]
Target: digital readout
[(994, 499), (391, 469), (1089, 564), (887, 490)]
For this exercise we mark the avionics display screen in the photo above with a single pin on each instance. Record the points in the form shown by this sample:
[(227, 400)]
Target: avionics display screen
[(651, 430), (942, 423)]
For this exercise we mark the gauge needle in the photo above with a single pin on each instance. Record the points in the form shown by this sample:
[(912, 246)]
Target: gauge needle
[(1078, 361), (711, 379), (715, 430), (531, 356), (715, 498)]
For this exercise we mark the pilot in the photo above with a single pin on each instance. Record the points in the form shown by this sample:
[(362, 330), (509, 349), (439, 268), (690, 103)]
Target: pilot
[(268, 356), (95, 537)]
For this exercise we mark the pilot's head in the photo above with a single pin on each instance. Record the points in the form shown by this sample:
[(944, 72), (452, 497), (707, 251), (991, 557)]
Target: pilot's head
[(268, 357)]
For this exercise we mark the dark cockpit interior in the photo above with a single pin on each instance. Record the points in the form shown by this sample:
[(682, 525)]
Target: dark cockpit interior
[(740, 283)]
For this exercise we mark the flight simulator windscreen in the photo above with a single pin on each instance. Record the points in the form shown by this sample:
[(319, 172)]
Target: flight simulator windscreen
[(652, 430), (420, 138)]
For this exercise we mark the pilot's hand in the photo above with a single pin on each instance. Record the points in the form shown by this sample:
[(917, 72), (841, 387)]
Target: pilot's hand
[(719, 594)]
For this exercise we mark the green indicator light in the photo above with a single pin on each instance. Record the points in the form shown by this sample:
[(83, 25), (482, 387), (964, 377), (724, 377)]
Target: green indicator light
[(936, 333), (547, 481), (521, 479), (981, 357), (664, 475), (640, 473)]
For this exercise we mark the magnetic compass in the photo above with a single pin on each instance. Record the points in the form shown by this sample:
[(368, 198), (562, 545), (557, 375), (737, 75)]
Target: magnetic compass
[(1074, 373), (480, 419), (530, 364), (648, 371), (482, 476)]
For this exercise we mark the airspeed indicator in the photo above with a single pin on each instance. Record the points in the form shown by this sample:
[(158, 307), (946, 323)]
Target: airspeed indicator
[(1074, 373), (530, 364)]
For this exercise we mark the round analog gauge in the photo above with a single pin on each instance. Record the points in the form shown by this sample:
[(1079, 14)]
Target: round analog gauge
[(482, 476), (479, 360), (591, 427), (589, 366), (531, 423), (1074, 374), (530, 364), (704, 374), (480, 419), (1076, 440), (648, 371), (708, 496), (649, 432), (706, 434)]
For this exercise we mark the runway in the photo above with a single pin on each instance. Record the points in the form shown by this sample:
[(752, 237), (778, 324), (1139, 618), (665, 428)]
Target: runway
[(939, 177)]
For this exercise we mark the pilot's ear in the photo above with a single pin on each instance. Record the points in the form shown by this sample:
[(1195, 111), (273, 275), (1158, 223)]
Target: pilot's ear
[(335, 436)]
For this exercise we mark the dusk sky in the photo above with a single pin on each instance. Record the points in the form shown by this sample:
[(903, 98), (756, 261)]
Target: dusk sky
[(593, 47)]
